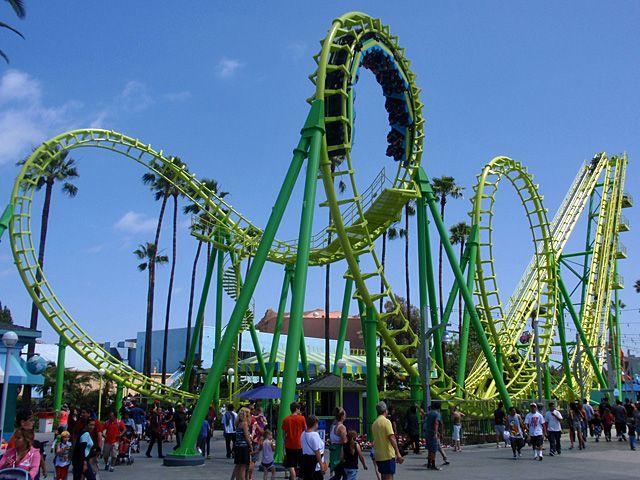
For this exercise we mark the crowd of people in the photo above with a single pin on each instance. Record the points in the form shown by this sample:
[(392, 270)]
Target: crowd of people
[(83, 445), (583, 421)]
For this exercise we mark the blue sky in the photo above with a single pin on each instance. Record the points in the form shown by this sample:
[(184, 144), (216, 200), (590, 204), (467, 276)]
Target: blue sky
[(223, 85)]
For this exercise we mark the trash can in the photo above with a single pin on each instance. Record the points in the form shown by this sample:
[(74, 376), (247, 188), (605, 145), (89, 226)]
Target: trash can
[(45, 422)]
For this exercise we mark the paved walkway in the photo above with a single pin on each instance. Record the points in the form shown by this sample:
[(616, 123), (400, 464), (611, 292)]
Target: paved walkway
[(610, 461)]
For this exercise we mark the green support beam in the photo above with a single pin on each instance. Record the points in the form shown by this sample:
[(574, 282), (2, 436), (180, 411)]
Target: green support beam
[(5, 219), (566, 366), (370, 328), (57, 404), (496, 373), (282, 305), (344, 322), (195, 338), (294, 333), (472, 246), (219, 275), (119, 391), (311, 134), (583, 338)]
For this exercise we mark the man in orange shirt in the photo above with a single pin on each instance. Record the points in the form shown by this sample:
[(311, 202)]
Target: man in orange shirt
[(292, 427), (112, 430)]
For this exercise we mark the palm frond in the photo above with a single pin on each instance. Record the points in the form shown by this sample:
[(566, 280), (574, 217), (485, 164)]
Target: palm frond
[(160, 259), (70, 189), (4, 56), (18, 7), (9, 27), (142, 267)]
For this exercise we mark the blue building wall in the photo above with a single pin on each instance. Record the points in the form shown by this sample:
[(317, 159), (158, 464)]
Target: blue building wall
[(178, 338)]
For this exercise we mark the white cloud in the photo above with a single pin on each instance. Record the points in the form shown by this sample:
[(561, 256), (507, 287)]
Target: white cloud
[(177, 97), (133, 222), (135, 96), (227, 67), (95, 248), (24, 120)]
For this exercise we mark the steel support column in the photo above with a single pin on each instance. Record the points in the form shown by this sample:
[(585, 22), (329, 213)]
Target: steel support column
[(311, 135)]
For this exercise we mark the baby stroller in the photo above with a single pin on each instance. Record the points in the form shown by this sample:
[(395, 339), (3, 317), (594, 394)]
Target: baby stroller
[(126, 447)]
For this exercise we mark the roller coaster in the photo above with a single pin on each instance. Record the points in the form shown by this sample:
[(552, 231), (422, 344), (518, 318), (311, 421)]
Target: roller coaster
[(514, 363)]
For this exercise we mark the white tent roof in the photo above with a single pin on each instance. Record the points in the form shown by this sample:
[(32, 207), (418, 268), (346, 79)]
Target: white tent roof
[(72, 359)]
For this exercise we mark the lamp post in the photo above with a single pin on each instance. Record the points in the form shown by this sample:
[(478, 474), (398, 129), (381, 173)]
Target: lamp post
[(341, 364), (101, 372), (230, 373), (9, 339), (322, 369)]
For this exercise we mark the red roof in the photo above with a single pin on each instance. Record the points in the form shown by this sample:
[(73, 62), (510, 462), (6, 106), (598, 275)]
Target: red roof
[(313, 325)]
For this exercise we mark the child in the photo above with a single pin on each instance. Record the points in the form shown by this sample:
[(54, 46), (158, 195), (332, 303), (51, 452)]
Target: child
[(267, 448), (62, 459), (597, 425), (607, 421), (351, 453)]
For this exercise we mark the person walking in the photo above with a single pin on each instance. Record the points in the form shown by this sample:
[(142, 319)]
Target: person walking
[(112, 429), (351, 453), (516, 427), (83, 451), (607, 424), (211, 419), (588, 415), (258, 425), (385, 444), (554, 429), (575, 425), (242, 445), (154, 430), (292, 427), (620, 419), (432, 432), (456, 435), (313, 464), (337, 438), (412, 429), (631, 425), (536, 428), (229, 428), (180, 420), (202, 436), (498, 424), (268, 448)]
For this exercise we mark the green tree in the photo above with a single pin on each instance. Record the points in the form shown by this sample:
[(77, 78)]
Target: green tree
[(444, 187), (459, 234), (5, 314), (78, 388), (148, 253), (59, 169), (195, 209), (19, 10)]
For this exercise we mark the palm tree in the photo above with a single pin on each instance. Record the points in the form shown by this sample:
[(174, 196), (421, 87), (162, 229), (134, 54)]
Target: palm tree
[(174, 193), (459, 233), (194, 209), (161, 188), (637, 286), (18, 8), (394, 233), (444, 187), (148, 253), (60, 169)]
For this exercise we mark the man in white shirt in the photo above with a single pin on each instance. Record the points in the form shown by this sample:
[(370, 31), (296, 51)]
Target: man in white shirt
[(536, 427), (554, 429)]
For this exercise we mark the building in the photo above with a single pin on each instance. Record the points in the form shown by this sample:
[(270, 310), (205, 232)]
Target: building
[(313, 325), (176, 346)]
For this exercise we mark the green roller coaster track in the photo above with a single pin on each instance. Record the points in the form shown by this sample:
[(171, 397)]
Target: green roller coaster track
[(509, 368)]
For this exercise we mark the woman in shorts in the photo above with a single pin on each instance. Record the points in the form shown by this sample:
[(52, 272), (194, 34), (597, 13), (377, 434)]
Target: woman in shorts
[(242, 445)]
